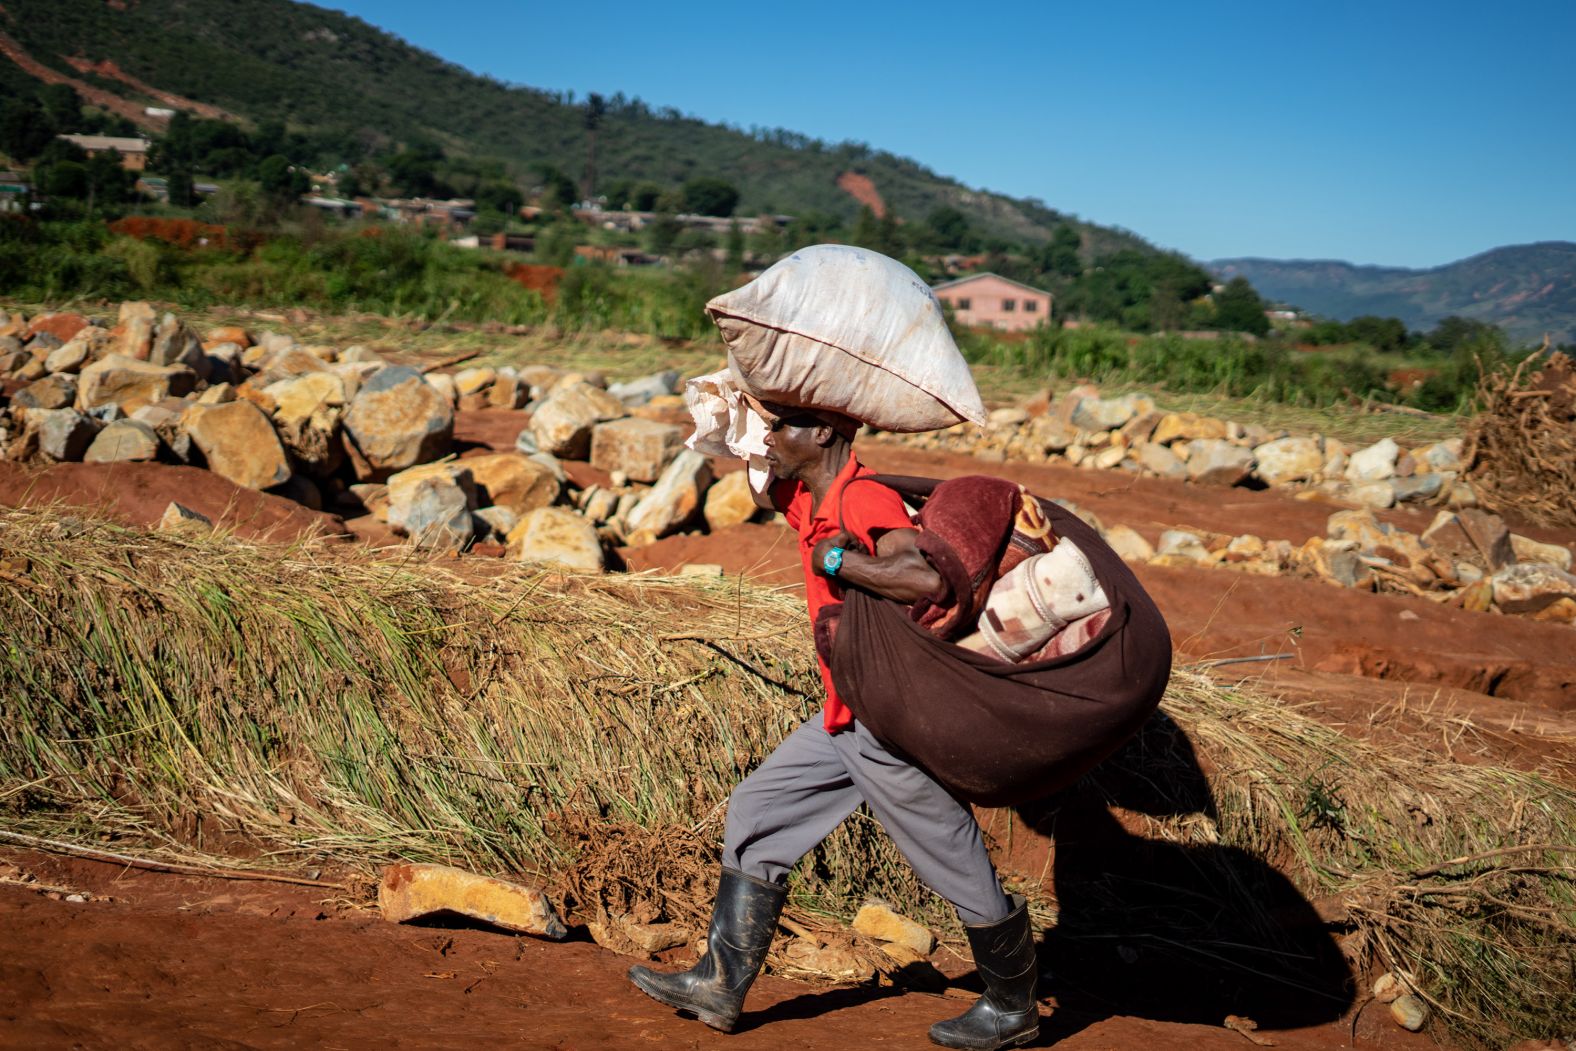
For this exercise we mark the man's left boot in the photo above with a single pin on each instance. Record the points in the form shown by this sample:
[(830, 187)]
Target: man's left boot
[(1008, 1014)]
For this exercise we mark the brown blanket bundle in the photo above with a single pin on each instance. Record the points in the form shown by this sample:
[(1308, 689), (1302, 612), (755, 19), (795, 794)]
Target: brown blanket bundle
[(996, 733)]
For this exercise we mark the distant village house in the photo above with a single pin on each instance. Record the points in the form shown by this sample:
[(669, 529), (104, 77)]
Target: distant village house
[(993, 301), (133, 152)]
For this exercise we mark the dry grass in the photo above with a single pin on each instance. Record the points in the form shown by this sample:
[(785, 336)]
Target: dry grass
[(1521, 447), (208, 696)]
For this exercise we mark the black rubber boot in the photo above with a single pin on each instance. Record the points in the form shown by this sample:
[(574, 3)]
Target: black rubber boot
[(742, 923), (1007, 1015)]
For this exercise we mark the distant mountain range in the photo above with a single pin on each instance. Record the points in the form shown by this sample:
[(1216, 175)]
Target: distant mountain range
[(1528, 290)]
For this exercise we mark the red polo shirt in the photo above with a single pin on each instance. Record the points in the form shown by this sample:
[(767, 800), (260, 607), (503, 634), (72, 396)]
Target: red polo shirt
[(869, 510)]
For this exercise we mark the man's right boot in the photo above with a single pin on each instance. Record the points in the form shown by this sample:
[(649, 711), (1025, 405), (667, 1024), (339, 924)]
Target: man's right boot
[(1008, 1014), (743, 921)]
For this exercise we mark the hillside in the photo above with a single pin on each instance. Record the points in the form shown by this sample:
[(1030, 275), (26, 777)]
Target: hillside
[(340, 79), (1528, 290)]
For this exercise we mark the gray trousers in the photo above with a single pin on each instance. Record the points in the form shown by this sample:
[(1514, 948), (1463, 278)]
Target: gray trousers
[(814, 780)]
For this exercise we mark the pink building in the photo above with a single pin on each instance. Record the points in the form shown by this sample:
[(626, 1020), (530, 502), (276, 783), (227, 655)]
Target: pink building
[(994, 301)]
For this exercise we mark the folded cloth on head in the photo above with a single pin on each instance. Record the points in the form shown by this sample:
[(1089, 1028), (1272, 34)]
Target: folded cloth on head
[(728, 422)]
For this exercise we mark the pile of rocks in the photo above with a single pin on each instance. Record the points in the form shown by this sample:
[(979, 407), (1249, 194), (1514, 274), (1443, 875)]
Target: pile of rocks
[(346, 429), (1129, 433), (1465, 558)]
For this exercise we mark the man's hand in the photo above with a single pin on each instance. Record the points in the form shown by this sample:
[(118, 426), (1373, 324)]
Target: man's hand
[(843, 540)]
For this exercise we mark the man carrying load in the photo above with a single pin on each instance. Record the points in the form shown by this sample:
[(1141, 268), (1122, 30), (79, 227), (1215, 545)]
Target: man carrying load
[(830, 337)]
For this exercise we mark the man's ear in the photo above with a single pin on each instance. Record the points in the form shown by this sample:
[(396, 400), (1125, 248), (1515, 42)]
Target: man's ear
[(824, 436)]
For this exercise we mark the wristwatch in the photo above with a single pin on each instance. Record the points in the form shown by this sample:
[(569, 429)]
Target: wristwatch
[(832, 561)]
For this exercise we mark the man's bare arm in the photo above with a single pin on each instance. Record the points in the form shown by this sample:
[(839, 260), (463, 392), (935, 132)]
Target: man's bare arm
[(896, 571)]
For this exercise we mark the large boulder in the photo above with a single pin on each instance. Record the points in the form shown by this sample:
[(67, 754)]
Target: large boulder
[(729, 502), (63, 434), (1288, 460), (131, 384), (51, 392), (1215, 461), (397, 420), (306, 413), (558, 536), (239, 444), (639, 448), (512, 480), (124, 441), (562, 423), (403, 485), (672, 501), (437, 514)]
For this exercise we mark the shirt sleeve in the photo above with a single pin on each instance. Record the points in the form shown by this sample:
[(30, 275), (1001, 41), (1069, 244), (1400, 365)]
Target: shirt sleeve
[(871, 509)]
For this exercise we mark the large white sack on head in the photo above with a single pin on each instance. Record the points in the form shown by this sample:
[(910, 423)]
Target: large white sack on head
[(843, 328)]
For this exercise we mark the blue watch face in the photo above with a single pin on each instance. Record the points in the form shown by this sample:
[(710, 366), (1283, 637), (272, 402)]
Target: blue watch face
[(832, 561)]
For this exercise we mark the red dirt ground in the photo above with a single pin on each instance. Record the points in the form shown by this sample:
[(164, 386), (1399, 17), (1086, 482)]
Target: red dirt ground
[(862, 189), (180, 962)]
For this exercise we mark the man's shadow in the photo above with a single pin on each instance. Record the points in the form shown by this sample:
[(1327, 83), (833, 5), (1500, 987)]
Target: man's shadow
[(1168, 931)]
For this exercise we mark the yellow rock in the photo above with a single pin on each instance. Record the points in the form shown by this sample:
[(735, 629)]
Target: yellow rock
[(729, 502), (413, 892), (878, 921), (1186, 426), (512, 480)]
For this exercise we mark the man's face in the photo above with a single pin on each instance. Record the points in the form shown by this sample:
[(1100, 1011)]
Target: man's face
[(794, 443)]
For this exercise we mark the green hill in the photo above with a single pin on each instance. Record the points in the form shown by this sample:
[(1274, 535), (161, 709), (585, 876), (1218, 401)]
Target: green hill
[(349, 85), (1528, 290)]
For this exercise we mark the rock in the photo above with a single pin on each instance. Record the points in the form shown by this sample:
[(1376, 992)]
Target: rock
[(1051, 434), (1106, 414), (402, 485), (1441, 456), (474, 381), (1419, 488), (443, 383), (373, 496), (729, 502), (1358, 526), (1245, 548), (414, 892), (558, 536), (51, 392), (132, 335), (562, 423), (131, 384), (62, 326), (178, 518), (229, 334), (1129, 544), (1104, 459), (175, 344), (1187, 427), (1473, 536), (71, 357), (166, 419), (512, 480), (30, 370), (239, 444), (220, 394), (307, 410), (1335, 561), (1378, 495), (397, 420), (1288, 460), (1529, 550), (1409, 1012), (1141, 428), (495, 522), (124, 441), (1375, 463), (1528, 587), (1215, 461), (1335, 458), (833, 962), (1008, 417), (288, 363), (1159, 460), (1560, 611), (878, 921), (1181, 546), (222, 363), (639, 448), (600, 504), (437, 514), (671, 501), (63, 434), (637, 392), (508, 391)]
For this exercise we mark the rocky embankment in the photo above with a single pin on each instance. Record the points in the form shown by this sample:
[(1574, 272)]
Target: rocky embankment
[(346, 430)]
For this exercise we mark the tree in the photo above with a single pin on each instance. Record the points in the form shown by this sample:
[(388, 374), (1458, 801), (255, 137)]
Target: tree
[(1238, 308), (62, 107), (1381, 333), (1059, 255), (596, 109), (25, 129), (706, 195), (949, 227), (280, 180), (557, 189)]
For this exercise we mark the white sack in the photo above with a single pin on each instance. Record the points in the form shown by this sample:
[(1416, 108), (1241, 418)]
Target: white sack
[(726, 424), (843, 328)]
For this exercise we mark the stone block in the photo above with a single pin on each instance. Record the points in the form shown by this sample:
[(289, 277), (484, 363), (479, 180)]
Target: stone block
[(397, 420), (1528, 550), (513, 480), (1288, 460), (1129, 544), (1159, 460), (414, 892), (878, 921), (637, 392), (239, 444), (52, 392), (178, 518), (1215, 461), (671, 502), (1106, 414), (558, 536), (1375, 463), (1528, 587), (307, 410), (562, 423), (436, 513), (474, 381), (1187, 427), (729, 501), (64, 435), (131, 384), (1378, 495), (639, 448), (124, 441)]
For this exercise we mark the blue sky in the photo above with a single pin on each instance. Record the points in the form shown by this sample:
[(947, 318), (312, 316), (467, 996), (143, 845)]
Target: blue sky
[(1394, 132)]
